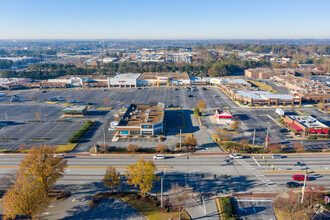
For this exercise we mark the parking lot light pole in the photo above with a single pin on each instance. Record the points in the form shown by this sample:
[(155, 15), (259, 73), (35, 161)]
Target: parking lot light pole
[(303, 189), (161, 192)]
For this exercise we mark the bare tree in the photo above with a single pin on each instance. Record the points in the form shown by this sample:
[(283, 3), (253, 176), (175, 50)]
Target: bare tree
[(245, 143), (106, 101), (178, 195), (290, 204), (201, 104), (235, 125)]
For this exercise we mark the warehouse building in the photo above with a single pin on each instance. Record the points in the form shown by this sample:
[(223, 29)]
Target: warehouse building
[(124, 80), (145, 120), (75, 111)]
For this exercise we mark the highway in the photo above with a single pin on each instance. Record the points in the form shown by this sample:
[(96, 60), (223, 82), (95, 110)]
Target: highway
[(251, 174)]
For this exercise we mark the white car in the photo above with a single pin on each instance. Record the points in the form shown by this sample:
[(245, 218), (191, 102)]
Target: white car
[(236, 156), (59, 155), (159, 157), (277, 156)]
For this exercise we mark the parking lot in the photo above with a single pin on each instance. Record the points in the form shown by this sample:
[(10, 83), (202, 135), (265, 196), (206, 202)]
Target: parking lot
[(36, 101), (254, 208)]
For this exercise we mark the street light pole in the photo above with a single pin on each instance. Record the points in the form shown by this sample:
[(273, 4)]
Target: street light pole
[(161, 192), (254, 138), (180, 141), (303, 189)]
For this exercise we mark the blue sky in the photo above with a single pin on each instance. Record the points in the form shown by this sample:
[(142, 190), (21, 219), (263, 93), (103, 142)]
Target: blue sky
[(164, 19)]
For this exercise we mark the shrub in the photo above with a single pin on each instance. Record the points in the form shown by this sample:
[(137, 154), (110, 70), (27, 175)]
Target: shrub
[(81, 132), (161, 148), (228, 211), (132, 148)]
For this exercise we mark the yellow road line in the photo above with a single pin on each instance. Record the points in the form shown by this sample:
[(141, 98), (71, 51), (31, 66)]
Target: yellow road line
[(89, 167), (294, 171)]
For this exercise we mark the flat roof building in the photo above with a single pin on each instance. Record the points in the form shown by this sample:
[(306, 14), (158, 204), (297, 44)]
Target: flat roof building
[(124, 80), (143, 120), (305, 125), (163, 79), (75, 111)]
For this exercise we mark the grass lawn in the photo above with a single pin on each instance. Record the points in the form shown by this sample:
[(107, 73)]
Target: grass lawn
[(151, 212), (65, 148)]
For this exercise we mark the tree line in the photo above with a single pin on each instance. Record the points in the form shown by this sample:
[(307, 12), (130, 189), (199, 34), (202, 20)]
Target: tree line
[(221, 67)]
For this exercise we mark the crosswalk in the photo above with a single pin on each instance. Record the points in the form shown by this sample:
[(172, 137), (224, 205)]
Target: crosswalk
[(272, 186)]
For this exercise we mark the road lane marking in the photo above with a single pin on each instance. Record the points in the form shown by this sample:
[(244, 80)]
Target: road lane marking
[(86, 167), (254, 200), (256, 161)]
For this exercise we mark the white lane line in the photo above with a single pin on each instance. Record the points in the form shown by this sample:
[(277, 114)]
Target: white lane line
[(254, 200), (256, 161), (123, 211)]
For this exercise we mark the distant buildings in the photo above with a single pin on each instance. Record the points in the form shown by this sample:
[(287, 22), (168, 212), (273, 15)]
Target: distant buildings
[(124, 80), (308, 90), (262, 73)]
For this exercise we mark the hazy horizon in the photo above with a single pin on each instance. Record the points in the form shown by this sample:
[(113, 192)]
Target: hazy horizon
[(170, 20)]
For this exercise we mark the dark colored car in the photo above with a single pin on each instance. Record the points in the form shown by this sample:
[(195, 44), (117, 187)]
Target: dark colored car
[(283, 130), (300, 177), (190, 96), (293, 184), (204, 88)]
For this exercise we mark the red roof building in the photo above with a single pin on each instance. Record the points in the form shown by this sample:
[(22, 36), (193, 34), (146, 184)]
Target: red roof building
[(223, 117)]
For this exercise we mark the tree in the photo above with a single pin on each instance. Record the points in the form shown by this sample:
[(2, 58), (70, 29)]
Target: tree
[(189, 141), (106, 101), (26, 198), (33, 96), (298, 146), (41, 164), (196, 111), (235, 125), (290, 203), (178, 195), (201, 104), (274, 148), (161, 148), (111, 178), (223, 135), (142, 174), (132, 148), (245, 143)]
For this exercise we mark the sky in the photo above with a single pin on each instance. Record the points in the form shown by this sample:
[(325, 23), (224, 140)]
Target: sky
[(164, 19)]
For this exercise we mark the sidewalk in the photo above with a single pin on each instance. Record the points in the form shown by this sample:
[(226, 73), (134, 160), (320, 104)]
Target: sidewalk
[(206, 210)]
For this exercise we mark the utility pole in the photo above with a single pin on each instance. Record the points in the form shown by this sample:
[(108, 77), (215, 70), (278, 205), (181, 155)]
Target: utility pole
[(161, 192), (180, 141), (267, 138), (254, 138), (303, 189)]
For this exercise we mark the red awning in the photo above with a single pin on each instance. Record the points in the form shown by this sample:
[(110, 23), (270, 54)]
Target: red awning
[(225, 116), (312, 131), (325, 131), (318, 131), (295, 126)]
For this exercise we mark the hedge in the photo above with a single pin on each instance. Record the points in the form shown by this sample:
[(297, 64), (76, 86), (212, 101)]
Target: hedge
[(75, 138), (227, 210)]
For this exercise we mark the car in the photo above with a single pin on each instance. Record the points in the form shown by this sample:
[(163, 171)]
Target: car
[(159, 157), (59, 155), (170, 106), (215, 96), (277, 156), (44, 91), (292, 184), (176, 88), (72, 101), (105, 89), (204, 88), (90, 103), (300, 177), (190, 96), (283, 130), (139, 88), (53, 99), (236, 156), (60, 97)]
